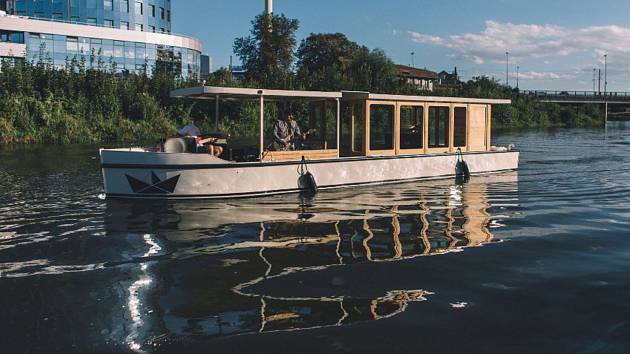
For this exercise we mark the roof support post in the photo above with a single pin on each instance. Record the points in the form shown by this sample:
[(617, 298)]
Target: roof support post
[(338, 127), (262, 127), (216, 113)]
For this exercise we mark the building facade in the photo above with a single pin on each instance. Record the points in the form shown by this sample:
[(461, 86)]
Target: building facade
[(121, 35), (421, 78), (449, 79)]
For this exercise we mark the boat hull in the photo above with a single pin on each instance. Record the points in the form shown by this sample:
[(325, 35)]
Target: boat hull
[(139, 174)]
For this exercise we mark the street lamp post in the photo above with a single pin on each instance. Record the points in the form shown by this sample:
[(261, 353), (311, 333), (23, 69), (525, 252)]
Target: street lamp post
[(518, 68), (605, 74), (507, 69), (413, 64)]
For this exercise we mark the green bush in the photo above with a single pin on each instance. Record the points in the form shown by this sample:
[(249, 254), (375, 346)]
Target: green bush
[(39, 103)]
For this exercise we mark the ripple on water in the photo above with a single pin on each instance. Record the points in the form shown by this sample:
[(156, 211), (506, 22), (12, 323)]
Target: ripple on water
[(197, 270)]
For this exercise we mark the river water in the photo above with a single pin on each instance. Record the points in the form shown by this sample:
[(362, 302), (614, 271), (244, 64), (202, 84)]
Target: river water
[(531, 261)]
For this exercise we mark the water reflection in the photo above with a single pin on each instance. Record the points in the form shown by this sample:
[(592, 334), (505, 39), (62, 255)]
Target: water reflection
[(214, 257)]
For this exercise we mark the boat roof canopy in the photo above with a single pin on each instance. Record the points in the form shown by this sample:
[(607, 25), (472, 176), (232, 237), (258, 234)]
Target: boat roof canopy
[(361, 95), (234, 93), (226, 93)]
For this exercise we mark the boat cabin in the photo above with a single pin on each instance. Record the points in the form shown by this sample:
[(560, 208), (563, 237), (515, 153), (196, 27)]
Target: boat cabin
[(351, 124)]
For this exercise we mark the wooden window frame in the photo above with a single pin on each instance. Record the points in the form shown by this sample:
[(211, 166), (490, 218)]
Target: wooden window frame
[(368, 112), (424, 133), (353, 151), (448, 148), (488, 127), (467, 133)]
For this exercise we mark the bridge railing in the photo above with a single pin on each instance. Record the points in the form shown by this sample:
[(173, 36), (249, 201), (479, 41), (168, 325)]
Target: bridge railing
[(558, 95)]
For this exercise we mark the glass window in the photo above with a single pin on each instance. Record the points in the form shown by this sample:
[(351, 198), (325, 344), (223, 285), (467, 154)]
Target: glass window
[(108, 5), (140, 51), (72, 44), (59, 45), (438, 127), (411, 127), (91, 21), (161, 12), (381, 127), (20, 6), (130, 51), (91, 4), (108, 23), (152, 29), (84, 45), (12, 37), (124, 25), (58, 5), (459, 127), (108, 48), (139, 27), (119, 50), (359, 127), (139, 8), (124, 6), (168, 15), (75, 19), (152, 10)]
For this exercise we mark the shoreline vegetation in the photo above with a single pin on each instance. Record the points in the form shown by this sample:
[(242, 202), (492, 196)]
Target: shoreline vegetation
[(87, 101)]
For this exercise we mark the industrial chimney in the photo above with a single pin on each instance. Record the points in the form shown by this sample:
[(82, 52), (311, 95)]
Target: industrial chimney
[(269, 7)]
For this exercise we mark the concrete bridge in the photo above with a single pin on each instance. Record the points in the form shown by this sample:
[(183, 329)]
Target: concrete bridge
[(580, 97)]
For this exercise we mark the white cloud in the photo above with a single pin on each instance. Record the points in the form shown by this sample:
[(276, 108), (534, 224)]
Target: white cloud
[(531, 41), (535, 75)]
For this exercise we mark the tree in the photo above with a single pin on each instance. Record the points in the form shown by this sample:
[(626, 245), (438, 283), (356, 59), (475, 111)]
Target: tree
[(324, 59), (373, 71), (267, 53)]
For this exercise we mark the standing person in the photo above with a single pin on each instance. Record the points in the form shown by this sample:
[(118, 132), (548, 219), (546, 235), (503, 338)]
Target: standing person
[(287, 134)]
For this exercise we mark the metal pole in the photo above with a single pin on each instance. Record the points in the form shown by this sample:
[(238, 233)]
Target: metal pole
[(216, 113), (606, 113), (594, 79), (413, 64), (518, 68), (599, 82), (262, 127), (269, 7), (338, 127), (507, 68), (605, 74)]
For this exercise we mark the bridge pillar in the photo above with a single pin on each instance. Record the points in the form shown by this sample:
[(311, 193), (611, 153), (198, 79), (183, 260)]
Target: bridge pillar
[(606, 113)]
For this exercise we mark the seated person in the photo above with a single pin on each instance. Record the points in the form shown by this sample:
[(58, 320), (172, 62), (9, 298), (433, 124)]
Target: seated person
[(287, 135), (202, 144), (191, 130)]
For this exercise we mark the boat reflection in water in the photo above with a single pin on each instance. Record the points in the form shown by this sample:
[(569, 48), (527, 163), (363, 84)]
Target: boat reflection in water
[(214, 257)]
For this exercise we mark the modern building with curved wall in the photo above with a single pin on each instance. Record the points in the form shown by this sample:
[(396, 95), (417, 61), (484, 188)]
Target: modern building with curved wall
[(123, 35)]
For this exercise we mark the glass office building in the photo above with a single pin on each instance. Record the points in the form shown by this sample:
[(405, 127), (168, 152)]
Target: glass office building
[(124, 35), (144, 15)]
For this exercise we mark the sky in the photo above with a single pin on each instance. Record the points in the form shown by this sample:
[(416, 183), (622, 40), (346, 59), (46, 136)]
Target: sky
[(555, 44)]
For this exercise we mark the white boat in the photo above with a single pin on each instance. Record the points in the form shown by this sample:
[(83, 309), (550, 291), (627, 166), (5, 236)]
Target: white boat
[(363, 138)]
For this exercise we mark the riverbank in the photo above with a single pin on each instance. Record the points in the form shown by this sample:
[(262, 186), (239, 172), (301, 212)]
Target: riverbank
[(42, 104)]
